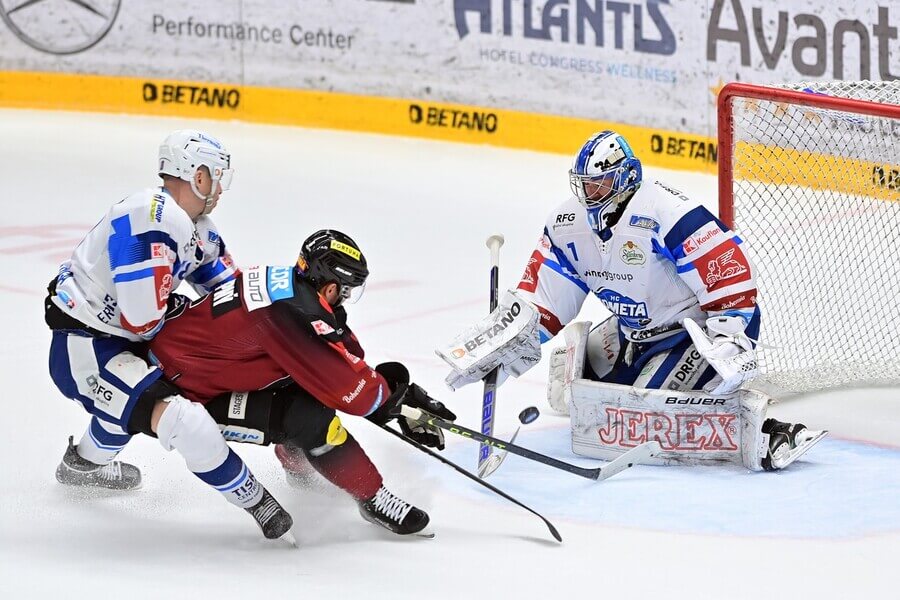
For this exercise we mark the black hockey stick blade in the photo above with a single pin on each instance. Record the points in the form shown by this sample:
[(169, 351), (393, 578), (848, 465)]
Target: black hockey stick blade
[(474, 478), (632, 457)]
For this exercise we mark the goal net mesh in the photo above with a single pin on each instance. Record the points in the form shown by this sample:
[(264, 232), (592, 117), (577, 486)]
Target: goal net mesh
[(816, 195)]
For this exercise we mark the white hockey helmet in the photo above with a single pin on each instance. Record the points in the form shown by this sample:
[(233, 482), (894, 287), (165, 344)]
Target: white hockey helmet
[(605, 168), (186, 150)]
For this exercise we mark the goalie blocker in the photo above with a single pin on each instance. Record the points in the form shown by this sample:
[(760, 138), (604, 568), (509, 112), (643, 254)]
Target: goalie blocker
[(692, 427)]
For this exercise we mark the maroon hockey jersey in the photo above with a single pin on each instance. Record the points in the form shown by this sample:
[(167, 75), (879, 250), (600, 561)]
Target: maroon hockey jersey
[(263, 329)]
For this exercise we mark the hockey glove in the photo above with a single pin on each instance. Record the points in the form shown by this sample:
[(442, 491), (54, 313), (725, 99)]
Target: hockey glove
[(727, 349), (410, 394), (508, 338)]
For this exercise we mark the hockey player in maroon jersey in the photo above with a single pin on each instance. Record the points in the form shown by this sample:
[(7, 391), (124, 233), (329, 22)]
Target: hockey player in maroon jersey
[(272, 358)]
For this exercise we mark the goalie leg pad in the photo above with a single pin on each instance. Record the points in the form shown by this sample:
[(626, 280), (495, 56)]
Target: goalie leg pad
[(691, 427), (567, 364), (603, 348)]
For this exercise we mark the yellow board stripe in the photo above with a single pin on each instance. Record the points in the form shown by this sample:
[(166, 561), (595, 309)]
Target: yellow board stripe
[(430, 120), (784, 166), (307, 108)]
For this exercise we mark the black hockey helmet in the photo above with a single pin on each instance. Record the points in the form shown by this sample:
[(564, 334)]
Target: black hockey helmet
[(329, 256)]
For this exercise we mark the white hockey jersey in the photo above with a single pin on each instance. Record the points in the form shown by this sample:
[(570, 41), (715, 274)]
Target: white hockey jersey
[(120, 276), (667, 258)]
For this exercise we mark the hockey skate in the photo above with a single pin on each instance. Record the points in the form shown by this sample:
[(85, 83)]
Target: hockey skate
[(392, 513), (271, 517), (787, 443), (77, 471)]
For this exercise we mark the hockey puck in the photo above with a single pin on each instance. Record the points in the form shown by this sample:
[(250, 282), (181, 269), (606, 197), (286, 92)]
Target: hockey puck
[(529, 415)]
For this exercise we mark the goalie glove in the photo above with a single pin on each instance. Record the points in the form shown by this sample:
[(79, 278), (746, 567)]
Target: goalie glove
[(410, 394), (508, 338), (727, 349)]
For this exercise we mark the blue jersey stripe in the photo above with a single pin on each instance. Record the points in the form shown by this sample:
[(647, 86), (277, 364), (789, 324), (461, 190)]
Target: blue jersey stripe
[(692, 220), (207, 272), (126, 249), (133, 275)]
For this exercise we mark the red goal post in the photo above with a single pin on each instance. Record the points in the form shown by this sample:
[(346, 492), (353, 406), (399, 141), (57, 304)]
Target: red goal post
[(809, 177)]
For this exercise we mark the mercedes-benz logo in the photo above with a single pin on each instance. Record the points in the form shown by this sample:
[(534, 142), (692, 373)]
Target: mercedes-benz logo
[(60, 26)]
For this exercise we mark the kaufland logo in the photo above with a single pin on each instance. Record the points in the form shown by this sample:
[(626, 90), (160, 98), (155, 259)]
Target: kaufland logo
[(60, 26), (603, 24)]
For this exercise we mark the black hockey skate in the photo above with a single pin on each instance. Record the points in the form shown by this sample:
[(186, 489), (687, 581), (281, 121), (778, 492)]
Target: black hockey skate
[(787, 441), (392, 513), (77, 471), (270, 516)]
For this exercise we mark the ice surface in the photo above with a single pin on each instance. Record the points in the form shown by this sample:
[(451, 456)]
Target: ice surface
[(421, 210)]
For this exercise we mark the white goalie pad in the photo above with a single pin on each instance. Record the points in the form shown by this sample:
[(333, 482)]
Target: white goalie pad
[(691, 427), (508, 338), (567, 365)]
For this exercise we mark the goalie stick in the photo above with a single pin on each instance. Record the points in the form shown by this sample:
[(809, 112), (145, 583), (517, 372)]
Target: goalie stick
[(459, 469), (632, 457), (487, 464)]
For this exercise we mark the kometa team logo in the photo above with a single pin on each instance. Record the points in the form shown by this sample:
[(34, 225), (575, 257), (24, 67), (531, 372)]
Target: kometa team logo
[(60, 26)]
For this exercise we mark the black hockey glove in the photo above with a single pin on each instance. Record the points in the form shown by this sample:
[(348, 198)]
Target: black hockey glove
[(410, 394), (176, 304)]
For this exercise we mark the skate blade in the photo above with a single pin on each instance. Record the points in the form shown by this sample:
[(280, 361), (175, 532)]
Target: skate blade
[(290, 539), (799, 451)]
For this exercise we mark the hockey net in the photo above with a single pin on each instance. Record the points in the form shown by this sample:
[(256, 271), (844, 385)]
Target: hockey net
[(809, 177)]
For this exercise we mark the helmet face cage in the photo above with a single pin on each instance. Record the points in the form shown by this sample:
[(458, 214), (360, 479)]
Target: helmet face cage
[(329, 256), (604, 169)]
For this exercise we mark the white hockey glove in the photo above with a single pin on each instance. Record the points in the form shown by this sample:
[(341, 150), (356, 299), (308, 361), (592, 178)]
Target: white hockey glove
[(727, 349), (507, 338)]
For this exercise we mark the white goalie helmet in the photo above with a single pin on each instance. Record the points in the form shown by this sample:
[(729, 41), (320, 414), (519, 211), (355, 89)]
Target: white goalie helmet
[(604, 169), (186, 150)]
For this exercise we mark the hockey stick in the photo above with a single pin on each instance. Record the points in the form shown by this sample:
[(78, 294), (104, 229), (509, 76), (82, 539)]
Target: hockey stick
[(459, 469), (634, 456), (487, 464)]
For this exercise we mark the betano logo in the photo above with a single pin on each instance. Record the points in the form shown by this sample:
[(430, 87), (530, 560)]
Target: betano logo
[(60, 26)]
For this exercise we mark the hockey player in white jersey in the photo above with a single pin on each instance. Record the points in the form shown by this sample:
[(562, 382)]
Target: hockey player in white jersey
[(685, 317), (113, 294)]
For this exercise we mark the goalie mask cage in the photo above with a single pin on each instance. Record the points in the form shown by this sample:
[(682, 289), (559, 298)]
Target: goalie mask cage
[(809, 177)]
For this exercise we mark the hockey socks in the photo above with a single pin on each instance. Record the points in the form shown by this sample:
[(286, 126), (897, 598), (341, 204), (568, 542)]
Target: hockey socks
[(187, 427), (101, 442), (348, 467)]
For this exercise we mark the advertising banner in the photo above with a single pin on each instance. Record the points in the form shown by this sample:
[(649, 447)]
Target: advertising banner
[(452, 69)]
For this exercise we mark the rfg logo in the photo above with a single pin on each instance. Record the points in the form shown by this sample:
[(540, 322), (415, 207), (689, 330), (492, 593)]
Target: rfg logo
[(680, 432), (567, 218), (101, 392)]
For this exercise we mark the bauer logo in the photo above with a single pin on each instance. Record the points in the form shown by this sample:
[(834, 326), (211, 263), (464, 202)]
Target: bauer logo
[(643, 24), (60, 27), (192, 95), (452, 118)]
